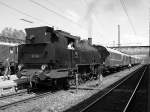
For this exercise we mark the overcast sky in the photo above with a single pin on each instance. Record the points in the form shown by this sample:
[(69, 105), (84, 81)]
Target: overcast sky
[(73, 16)]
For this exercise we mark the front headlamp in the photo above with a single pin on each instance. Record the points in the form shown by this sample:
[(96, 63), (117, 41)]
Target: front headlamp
[(20, 66), (43, 67)]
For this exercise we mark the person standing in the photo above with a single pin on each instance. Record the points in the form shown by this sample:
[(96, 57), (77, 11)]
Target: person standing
[(129, 66), (6, 69), (100, 76)]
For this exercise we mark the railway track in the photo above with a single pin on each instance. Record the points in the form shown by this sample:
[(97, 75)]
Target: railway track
[(16, 99), (13, 94), (116, 98), (140, 95)]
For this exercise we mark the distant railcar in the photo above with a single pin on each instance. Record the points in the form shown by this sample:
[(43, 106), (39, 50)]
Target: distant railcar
[(8, 50), (118, 60)]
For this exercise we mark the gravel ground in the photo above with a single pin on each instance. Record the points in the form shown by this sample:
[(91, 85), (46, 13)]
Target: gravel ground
[(62, 100)]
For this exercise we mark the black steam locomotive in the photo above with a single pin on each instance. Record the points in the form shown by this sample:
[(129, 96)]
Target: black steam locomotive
[(53, 57)]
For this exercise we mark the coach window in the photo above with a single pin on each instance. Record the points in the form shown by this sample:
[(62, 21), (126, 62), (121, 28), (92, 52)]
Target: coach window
[(11, 50), (16, 50), (76, 55)]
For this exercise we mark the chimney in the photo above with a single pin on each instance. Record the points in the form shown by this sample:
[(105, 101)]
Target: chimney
[(118, 35), (90, 41)]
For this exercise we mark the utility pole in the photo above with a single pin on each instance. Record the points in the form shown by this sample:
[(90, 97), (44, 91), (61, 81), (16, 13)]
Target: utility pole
[(149, 62), (113, 43), (149, 32), (118, 36)]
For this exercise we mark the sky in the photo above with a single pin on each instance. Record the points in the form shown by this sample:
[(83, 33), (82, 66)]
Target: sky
[(98, 19)]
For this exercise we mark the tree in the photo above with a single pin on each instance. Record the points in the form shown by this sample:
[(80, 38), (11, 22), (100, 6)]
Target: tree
[(13, 33)]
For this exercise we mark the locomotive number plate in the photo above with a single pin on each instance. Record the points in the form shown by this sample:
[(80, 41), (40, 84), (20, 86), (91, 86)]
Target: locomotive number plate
[(35, 55)]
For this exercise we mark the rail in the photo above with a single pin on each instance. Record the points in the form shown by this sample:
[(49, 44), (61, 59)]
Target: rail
[(128, 103), (29, 98)]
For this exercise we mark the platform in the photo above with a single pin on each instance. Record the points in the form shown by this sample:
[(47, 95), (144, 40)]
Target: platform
[(117, 76), (8, 86)]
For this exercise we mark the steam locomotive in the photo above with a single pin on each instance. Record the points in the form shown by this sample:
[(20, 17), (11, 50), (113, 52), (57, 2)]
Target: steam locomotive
[(46, 58)]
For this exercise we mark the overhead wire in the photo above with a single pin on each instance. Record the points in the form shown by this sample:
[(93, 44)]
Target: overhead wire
[(23, 13), (28, 21), (54, 12), (126, 12), (149, 28)]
